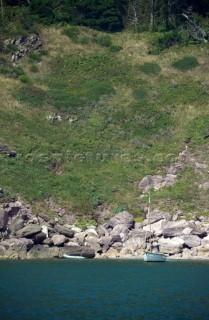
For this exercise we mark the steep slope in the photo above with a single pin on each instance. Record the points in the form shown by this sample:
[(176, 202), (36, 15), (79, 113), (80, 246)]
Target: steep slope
[(91, 114)]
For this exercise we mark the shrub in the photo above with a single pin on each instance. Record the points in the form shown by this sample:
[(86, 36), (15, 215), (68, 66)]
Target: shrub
[(43, 52), (72, 33), (140, 93), (166, 41), (25, 79), (150, 68), (115, 48), (34, 57), (34, 68), (186, 63), (104, 41)]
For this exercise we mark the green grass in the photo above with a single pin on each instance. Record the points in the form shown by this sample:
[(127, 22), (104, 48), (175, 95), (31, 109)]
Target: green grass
[(150, 68), (131, 121), (186, 63)]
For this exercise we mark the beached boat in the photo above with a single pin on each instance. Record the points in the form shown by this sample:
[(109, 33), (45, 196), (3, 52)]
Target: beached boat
[(68, 256), (150, 255)]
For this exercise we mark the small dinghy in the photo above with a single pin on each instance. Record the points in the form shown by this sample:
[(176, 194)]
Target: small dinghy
[(68, 256)]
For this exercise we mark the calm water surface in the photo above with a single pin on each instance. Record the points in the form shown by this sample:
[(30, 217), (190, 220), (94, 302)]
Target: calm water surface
[(104, 289)]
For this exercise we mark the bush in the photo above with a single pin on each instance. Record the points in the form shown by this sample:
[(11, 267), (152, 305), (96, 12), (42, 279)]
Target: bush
[(72, 33), (115, 48), (150, 68), (166, 41), (140, 93), (34, 68), (104, 41), (34, 57), (25, 79), (186, 63), (43, 52)]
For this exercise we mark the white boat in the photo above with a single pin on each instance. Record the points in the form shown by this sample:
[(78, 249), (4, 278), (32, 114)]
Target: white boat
[(68, 256), (149, 255)]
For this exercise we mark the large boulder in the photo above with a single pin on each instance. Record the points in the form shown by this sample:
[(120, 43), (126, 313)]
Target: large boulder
[(83, 251), (123, 218), (156, 228), (43, 252), (133, 244), (191, 240), (16, 224), (28, 231), (16, 248), (171, 246), (64, 231), (174, 228), (111, 253), (205, 242), (8, 253), (105, 243), (93, 243), (39, 237), (157, 182), (58, 239), (102, 231), (157, 215), (120, 230)]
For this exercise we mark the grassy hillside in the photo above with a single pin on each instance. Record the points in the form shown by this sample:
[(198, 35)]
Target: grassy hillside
[(124, 114)]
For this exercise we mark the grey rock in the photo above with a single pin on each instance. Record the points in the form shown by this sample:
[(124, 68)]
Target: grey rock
[(146, 182), (28, 231), (120, 230), (122, 218), (4, 217), (205, 241), (117, 245), (134, 244), (157, 215), (42, 252), (93, 244), (80, 237), (191, 240), (64, 231), (102, 231), (44, 217), (205, 186), (171, 246), (38, 237), (16, 224), (156, 228), (174, 228), (105, 243), (58, 239)]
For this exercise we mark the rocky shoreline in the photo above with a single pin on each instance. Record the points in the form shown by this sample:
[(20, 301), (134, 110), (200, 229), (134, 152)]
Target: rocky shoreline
[(25, 236)]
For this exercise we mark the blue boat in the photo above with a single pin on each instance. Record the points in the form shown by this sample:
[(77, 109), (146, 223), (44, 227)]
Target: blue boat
[(154, 257)]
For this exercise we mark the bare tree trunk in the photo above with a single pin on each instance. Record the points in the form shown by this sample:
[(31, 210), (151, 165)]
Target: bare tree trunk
[(135, 19), (152, 13)]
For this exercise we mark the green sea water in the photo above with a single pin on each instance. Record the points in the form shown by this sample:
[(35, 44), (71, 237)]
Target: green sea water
[(104, 289)]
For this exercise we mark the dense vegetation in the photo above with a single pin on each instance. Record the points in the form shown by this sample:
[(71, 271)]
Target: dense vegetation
[(130, 109), (107, 15)]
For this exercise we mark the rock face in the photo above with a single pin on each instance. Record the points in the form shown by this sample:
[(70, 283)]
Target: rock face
[(24, 236), (24, 44)]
